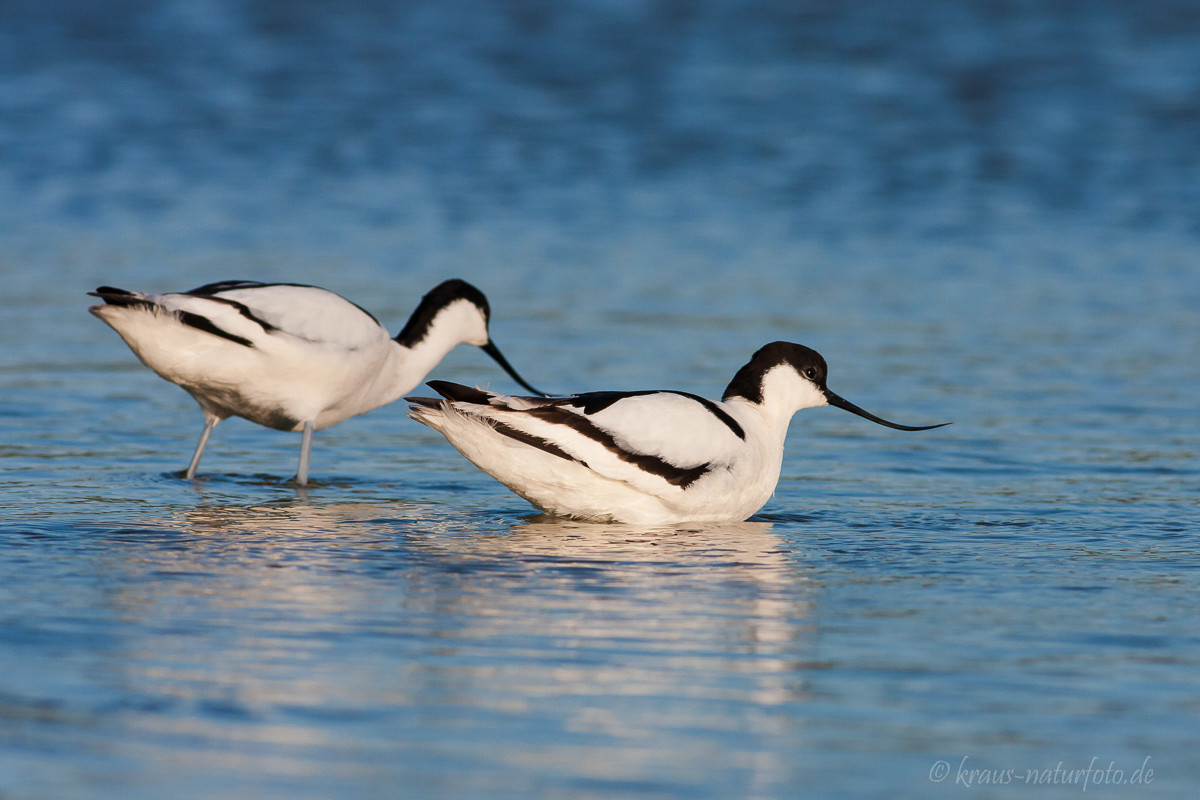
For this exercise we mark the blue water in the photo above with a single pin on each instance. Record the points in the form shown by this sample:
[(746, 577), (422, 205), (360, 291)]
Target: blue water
[(978, 212)]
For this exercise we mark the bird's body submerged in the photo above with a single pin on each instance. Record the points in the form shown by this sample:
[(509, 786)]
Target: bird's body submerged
[(640, 457), (288, 356)]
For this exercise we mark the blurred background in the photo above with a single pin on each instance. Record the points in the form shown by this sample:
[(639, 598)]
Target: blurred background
[(616, 153), (980, 211)]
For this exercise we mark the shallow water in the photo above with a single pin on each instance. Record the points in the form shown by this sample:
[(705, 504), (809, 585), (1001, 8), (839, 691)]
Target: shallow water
[(976, 213)]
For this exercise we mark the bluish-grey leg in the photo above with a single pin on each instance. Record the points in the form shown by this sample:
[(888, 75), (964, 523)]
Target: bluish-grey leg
[(210, 422), (305, 450)]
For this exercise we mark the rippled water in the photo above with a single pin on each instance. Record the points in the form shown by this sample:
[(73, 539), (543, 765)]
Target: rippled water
[(977, 212)]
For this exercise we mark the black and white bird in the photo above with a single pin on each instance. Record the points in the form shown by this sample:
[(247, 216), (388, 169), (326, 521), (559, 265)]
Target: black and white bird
[(647, 458), (289, 356)]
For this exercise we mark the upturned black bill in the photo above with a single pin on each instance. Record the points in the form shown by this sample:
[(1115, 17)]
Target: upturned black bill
[(493, 351), (842, 403)]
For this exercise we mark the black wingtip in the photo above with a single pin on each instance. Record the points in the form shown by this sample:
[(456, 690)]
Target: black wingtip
[(111, 294), (457, 393)]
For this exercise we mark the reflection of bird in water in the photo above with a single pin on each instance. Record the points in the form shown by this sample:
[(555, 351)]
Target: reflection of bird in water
[(749, 542), (641, 457), (291, 357)]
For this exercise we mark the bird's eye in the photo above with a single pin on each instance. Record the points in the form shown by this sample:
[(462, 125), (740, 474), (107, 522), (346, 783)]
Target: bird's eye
[(810, 373)]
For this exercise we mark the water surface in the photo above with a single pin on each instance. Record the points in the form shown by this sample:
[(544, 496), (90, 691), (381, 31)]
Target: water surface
[(978, 213)]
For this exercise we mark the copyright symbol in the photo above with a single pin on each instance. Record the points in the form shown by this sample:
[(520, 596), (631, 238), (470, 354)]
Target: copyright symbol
[(939, 771)]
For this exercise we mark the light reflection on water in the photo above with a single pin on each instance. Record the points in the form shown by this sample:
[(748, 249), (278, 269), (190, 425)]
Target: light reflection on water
[(977, 213), (564, 634)]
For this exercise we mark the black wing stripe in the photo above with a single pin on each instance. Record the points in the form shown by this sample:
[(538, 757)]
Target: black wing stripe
[(209, 291), (594, 402), (450, 390), (205, 324), (682, 477), (534, 441), (245, 311), (719, 413), (121, 297)]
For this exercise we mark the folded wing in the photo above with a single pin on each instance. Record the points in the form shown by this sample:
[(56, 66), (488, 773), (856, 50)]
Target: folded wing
[(652, 440), (255, 312)]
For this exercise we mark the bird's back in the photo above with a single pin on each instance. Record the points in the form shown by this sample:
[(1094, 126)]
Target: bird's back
[(277, 354), (633, 456)]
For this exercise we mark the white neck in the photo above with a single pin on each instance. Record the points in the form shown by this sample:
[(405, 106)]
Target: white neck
[(458, 323), (784, 393)]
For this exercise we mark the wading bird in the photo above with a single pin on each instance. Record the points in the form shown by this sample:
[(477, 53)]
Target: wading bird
[(289, 356), (652, 457)]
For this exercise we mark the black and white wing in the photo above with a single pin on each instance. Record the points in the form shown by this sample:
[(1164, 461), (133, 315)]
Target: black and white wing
[(253, 310), (651, 440), (252, 314)]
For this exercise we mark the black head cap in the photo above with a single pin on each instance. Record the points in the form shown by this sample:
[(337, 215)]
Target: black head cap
[(434, 301), (748, 382)]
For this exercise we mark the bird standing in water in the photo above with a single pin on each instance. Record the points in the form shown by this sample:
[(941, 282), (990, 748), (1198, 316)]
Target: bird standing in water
[(290, 356), (652, 457)]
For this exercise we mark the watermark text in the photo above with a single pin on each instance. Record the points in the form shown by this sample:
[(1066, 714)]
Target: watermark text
[(969, 772)]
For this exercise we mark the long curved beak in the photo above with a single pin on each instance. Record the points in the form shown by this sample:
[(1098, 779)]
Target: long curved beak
[(846, 405), (493, 351)]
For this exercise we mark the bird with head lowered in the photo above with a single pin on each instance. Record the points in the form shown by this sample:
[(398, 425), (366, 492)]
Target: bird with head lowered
[(290, 356)]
